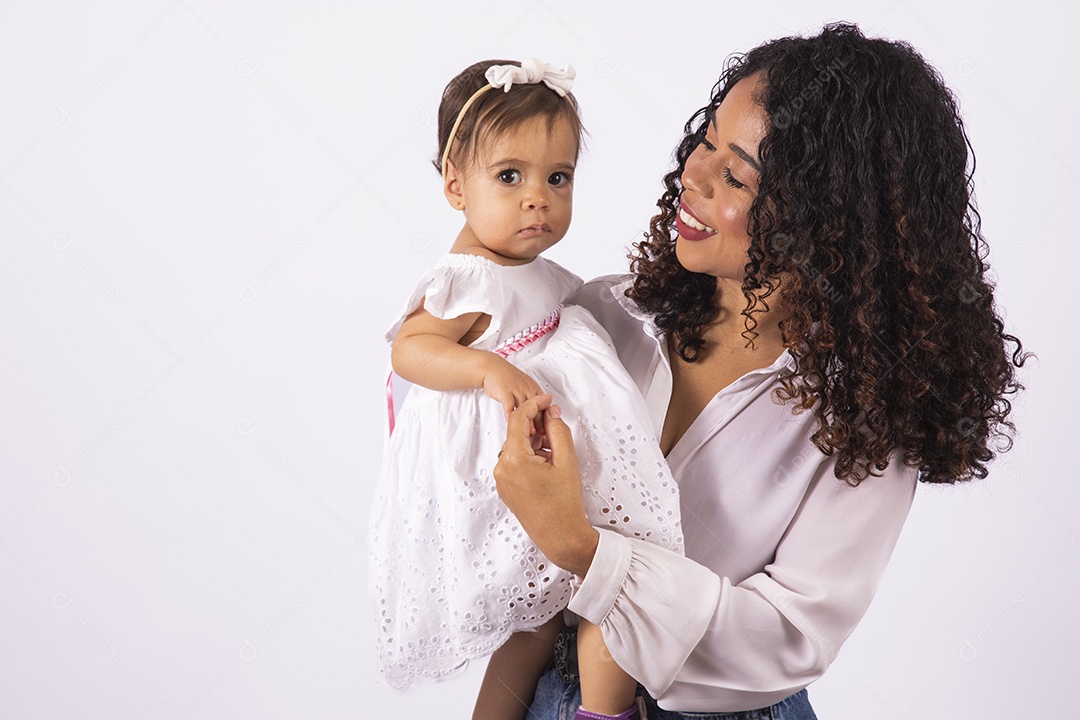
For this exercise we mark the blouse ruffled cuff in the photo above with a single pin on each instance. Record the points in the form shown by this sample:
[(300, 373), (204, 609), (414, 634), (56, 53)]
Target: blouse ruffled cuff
[(652, 605)]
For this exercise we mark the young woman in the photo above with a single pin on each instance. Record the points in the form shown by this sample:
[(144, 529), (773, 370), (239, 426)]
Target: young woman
[(810, 323)]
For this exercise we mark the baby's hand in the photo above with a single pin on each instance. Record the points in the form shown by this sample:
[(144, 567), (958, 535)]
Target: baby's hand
[(509, 386)]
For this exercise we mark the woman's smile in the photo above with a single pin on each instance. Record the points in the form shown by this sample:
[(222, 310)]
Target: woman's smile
[(689, 226)]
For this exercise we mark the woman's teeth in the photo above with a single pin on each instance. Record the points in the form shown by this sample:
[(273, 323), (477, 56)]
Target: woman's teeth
[(689, 220)]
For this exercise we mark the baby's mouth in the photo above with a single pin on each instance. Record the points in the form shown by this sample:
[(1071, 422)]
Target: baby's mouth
[(535, 229)]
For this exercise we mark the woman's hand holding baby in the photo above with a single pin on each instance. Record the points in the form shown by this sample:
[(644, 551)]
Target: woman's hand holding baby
[(542, 485)]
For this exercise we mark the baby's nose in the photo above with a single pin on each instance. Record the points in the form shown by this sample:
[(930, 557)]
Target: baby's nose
[(536, 197)]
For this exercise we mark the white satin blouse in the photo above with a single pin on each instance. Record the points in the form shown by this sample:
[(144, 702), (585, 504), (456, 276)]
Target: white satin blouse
[(782, 559)]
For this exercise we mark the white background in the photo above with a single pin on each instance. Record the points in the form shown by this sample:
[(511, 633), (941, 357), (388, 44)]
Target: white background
[(210, 212)]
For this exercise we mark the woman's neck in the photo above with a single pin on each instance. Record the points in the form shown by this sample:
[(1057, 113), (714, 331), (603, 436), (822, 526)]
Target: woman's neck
[(727, 328)]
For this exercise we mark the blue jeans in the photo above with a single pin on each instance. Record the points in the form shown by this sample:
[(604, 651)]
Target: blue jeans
[(556, 700)]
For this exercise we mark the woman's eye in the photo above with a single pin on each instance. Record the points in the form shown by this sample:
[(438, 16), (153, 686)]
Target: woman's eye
[(730, 179), (559, 179), (509, 177), (707, 145)]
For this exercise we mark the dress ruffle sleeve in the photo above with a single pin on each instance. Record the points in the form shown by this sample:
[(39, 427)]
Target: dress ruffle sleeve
[(456, 285)]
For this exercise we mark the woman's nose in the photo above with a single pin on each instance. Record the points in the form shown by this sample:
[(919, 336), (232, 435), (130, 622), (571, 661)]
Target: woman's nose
[(695, 175)]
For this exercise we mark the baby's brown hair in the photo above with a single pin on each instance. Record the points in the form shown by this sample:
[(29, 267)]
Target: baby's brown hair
[(496, 112)]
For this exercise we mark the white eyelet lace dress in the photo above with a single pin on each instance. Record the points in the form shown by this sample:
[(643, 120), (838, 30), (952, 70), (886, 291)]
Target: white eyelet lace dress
[(452, 574)]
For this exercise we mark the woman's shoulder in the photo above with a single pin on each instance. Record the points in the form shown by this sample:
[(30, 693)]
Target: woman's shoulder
[(605, 297), (610, 281), (631, 330), (599, 289)]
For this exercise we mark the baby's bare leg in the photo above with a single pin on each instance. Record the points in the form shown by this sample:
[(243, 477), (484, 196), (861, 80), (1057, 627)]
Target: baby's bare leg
[(513, 671), (605, 687)]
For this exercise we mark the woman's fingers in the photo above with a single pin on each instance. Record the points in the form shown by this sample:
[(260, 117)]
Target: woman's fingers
[(527, 389), (521, 425), (560, 441), (542, 486)]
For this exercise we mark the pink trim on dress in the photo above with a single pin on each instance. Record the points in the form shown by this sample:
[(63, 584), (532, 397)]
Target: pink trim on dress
[(529, 335), (390, 400)]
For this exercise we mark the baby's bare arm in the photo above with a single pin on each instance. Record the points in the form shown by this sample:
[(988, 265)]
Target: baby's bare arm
[(513, 671), (605, 687), (428, 351)]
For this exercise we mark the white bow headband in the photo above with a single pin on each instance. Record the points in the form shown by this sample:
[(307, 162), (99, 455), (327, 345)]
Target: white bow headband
[(532, 71)]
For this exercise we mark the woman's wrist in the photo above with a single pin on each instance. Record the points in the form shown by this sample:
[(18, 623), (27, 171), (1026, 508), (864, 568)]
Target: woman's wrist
[(580, 552)]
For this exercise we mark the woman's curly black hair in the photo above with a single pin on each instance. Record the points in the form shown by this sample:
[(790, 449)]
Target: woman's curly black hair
[(865, 209)]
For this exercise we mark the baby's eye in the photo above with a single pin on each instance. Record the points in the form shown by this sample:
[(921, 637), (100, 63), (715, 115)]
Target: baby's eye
[(559, 179), (509, 177)]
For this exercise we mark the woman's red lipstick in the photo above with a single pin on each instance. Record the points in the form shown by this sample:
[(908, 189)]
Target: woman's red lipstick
[(686, 232)]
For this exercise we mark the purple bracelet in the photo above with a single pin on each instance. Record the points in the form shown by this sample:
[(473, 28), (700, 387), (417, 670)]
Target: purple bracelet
[(630, 714)]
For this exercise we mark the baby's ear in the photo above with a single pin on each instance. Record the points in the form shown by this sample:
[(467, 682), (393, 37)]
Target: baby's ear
[(452, 186)]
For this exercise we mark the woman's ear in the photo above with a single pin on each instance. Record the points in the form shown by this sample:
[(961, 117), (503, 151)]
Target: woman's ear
[(452, 186)]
